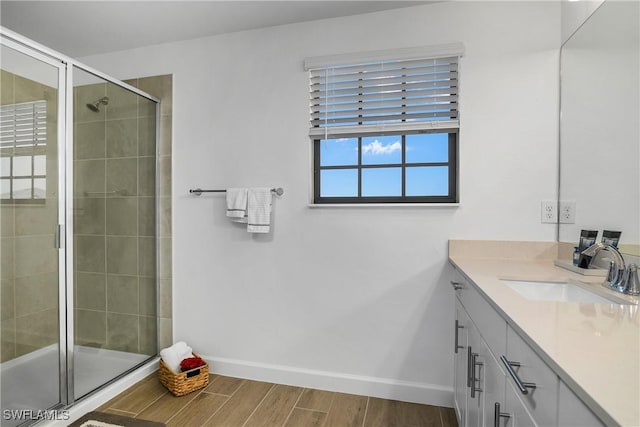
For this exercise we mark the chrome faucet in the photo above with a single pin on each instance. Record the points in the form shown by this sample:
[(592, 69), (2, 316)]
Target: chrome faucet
[(620, 277), (632, 281)]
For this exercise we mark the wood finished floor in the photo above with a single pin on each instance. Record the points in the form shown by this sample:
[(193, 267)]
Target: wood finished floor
[(234, 402)]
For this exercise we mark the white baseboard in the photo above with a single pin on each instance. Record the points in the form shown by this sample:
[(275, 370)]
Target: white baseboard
[(406, 391)]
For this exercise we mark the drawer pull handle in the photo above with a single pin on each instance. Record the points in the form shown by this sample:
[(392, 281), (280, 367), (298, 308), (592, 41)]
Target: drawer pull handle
[(456, 346), (474, 380), (521, 386), (468, 366), (456, 285), (497, 415)]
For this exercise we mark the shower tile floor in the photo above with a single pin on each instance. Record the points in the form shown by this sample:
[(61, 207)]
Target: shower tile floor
[(31, 381)]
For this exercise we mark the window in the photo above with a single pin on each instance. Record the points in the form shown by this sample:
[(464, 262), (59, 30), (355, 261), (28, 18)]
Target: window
[(385, 131), (23, 140), (409, 168)]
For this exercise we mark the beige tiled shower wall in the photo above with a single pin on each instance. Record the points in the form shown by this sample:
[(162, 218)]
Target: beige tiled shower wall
[(115, 236), (162, 88), (29, 262), (114, 289)]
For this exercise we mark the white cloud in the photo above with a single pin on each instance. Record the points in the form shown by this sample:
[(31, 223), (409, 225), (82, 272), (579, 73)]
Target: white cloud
[(376, 148)]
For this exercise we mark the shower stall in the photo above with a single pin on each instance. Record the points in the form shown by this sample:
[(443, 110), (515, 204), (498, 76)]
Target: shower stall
[(78, 213)]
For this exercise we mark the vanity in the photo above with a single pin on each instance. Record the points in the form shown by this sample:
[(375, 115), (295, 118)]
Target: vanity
[(545, 359), (539, 345)]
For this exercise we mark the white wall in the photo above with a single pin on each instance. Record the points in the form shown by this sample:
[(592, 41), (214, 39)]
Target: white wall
[(355, 299), (574, 13)]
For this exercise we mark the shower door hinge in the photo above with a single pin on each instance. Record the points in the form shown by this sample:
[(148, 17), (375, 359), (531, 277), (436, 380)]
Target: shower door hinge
[(57, 237)]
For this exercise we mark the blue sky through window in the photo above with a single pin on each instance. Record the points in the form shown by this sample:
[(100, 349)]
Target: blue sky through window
[(339, 152), (427, 147), (381, 182), (381, 150), (339, 183), (427, 181), (386, 181)]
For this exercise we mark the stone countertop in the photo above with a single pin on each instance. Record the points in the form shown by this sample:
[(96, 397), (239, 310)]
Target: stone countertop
[(593, 348)]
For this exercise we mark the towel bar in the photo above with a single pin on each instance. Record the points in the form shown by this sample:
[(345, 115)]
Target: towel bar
[(198, 191)]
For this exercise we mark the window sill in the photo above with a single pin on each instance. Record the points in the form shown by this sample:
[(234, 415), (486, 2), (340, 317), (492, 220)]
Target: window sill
[(383, 205)]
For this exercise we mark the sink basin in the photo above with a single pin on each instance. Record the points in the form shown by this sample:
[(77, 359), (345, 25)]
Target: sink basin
[(554, 291)]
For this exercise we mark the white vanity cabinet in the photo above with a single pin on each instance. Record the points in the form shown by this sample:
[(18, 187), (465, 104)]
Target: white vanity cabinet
[(460, 377), (499, 380), (475, 378), (540, 382), (469, 373), (492, 379), (479, 381), (572, 411), (502, 404), (516, 411)]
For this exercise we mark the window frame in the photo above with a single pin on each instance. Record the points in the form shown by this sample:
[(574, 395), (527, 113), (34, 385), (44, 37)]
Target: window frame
[(331, 75), (38, 151), (452, 164), (15, 143)]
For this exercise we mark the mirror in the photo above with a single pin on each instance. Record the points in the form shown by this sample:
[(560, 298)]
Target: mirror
[(600, 125)]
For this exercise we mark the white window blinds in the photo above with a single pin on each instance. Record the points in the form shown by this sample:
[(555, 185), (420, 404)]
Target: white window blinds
[(383, 95), (23, 124)]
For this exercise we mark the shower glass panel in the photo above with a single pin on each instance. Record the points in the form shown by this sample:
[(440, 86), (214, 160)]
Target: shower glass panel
[(29, 212), (114, 230)]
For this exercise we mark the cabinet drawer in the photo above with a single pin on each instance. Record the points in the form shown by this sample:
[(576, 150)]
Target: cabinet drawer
[(491, 326), (541, 401)]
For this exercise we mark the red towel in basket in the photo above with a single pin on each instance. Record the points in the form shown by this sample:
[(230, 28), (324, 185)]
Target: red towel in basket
[(191, 363)]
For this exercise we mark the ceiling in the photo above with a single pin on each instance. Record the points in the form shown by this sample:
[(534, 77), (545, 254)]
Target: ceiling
[(82, 28)]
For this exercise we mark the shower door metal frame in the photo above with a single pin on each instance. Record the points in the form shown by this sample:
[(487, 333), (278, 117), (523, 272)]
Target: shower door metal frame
[(70, 69), (64, 226), (26, 49)]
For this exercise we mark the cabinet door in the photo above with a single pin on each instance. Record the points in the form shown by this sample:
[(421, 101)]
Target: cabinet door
[(572, 411), (542, 399), (519, 416), (476, 385), (460, 363), (493, 391), (491, 326)]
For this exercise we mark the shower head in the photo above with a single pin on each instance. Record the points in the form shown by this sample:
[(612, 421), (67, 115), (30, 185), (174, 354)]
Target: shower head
[(95, 106)]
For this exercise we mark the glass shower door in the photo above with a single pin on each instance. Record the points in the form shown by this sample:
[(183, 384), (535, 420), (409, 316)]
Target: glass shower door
[(30, 208), (78, 235), (114, 230)]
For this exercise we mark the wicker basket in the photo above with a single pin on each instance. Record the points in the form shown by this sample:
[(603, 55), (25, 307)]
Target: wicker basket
[(184, 382)]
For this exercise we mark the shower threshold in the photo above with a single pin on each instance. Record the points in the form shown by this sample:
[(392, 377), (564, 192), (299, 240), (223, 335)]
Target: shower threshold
[(30, 382)]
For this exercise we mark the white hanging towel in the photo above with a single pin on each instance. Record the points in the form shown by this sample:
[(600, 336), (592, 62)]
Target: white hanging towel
[(259, 210), (237, 204)]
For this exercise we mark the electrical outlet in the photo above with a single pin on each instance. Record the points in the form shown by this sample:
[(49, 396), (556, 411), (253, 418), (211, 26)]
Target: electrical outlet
[(549, 211), (567, 211)]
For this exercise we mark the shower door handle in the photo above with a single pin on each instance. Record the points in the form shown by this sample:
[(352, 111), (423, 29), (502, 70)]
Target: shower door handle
[(57, 236)]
